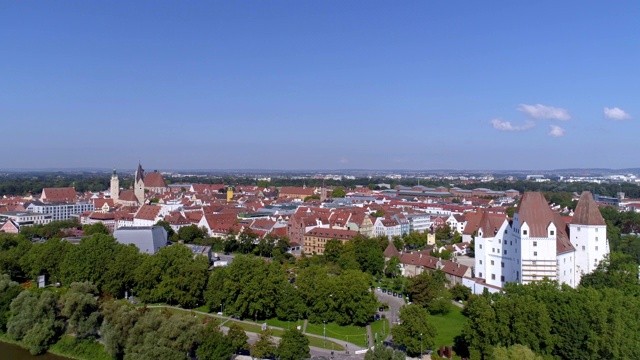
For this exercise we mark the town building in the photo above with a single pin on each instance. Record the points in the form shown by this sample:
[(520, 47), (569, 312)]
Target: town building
[(148, 239), (316, 238)]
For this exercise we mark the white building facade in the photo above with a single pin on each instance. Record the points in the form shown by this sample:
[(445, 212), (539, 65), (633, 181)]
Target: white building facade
[(538, 243)]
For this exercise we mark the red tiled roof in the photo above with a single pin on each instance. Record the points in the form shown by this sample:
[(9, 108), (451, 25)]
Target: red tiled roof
[(148, 212), (536, 213), (154, 179), (587, 211), (59, 194)]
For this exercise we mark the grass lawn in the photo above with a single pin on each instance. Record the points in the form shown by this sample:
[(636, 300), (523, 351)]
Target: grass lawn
[(381, 327), (320, 344), (449, 325), (349, 333)]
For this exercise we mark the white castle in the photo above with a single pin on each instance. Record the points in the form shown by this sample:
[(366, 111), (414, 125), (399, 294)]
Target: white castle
[(538, 242)]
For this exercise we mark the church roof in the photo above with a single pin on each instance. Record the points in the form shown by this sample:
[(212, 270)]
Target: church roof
[(139, 173), (154, 179), (587, 211)]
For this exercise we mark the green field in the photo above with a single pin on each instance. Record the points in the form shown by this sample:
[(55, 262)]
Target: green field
[(449, 326), (381, 327), (350, 333)]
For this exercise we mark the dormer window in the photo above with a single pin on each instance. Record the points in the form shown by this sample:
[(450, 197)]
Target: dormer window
[(552, 233), (524, 232)]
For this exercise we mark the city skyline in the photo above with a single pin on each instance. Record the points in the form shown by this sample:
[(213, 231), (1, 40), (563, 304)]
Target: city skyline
[(320, 85)]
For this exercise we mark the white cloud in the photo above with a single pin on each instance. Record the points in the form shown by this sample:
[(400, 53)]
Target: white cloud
[(507, 126), (540, 111), (556, 131), (616, 114), (344, 161)]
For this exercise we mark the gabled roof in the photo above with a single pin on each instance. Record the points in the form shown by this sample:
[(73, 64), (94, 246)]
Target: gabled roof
[(154, 179), (587, 211), (59, 194), (536, 213), (148, 212)]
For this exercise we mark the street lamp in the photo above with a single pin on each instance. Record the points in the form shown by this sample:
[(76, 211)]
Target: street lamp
[(324, 331), (420, 345)]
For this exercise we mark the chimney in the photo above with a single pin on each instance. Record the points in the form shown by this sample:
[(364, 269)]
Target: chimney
[(458, 265)]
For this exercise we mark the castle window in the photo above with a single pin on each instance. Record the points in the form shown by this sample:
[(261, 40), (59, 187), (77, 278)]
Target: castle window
[(502, 264), (535, 243), (493, 276), (479, 274), (552, 232), (491, 262), (505, 252), (480, 262), (502, 278), (524, 232), (535, 253), (596, 248), (583, 247)]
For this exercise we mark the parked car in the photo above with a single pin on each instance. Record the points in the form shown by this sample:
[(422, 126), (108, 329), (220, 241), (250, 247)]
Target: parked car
[(400, 296), (395, 294), (381, 309), (376, 317), (384, 291)]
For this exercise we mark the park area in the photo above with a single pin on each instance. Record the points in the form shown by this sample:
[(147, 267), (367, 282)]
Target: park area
[(449, 326)]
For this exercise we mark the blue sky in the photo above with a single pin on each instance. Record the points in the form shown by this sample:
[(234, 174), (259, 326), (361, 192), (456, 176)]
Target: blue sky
[(320, 84)]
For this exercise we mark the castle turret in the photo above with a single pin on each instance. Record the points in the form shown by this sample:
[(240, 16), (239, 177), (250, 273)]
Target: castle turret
[(589, 235)]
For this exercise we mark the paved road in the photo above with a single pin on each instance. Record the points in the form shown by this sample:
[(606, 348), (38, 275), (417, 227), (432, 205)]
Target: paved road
[(395, 303)]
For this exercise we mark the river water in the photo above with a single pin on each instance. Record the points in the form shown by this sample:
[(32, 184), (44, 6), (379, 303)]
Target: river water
[(15, 352)]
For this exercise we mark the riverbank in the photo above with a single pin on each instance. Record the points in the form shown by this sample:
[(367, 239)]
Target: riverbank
[(66, 348)]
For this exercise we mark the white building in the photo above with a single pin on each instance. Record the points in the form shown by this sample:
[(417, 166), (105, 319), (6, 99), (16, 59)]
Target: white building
[(538, 243), (61, 211), (22, 218)]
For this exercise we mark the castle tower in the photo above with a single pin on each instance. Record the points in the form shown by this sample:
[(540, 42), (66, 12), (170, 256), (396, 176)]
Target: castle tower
[(588, 232), (115, 186), (138, 184)]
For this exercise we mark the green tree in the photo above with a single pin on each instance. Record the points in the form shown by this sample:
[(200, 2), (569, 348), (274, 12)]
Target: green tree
[(460, 292), (80, 307), (515, 352), (214, 345), (9, 290), (293, 346), (155, 335), (239, 339), (338, 192), (166, 226), (333, 250), (172, 275), (46, 259), (119, 318), (415, 332), (89, 260), (369, 254), (443, 232), (290, 304), (35, 321), (12, 249), (264, 347), (429, 290), (97, 228), (190, 233), (381, 352), (392, 269)]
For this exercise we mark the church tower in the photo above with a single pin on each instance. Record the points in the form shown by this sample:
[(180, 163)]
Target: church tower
[(115, 186), (138, 184)]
